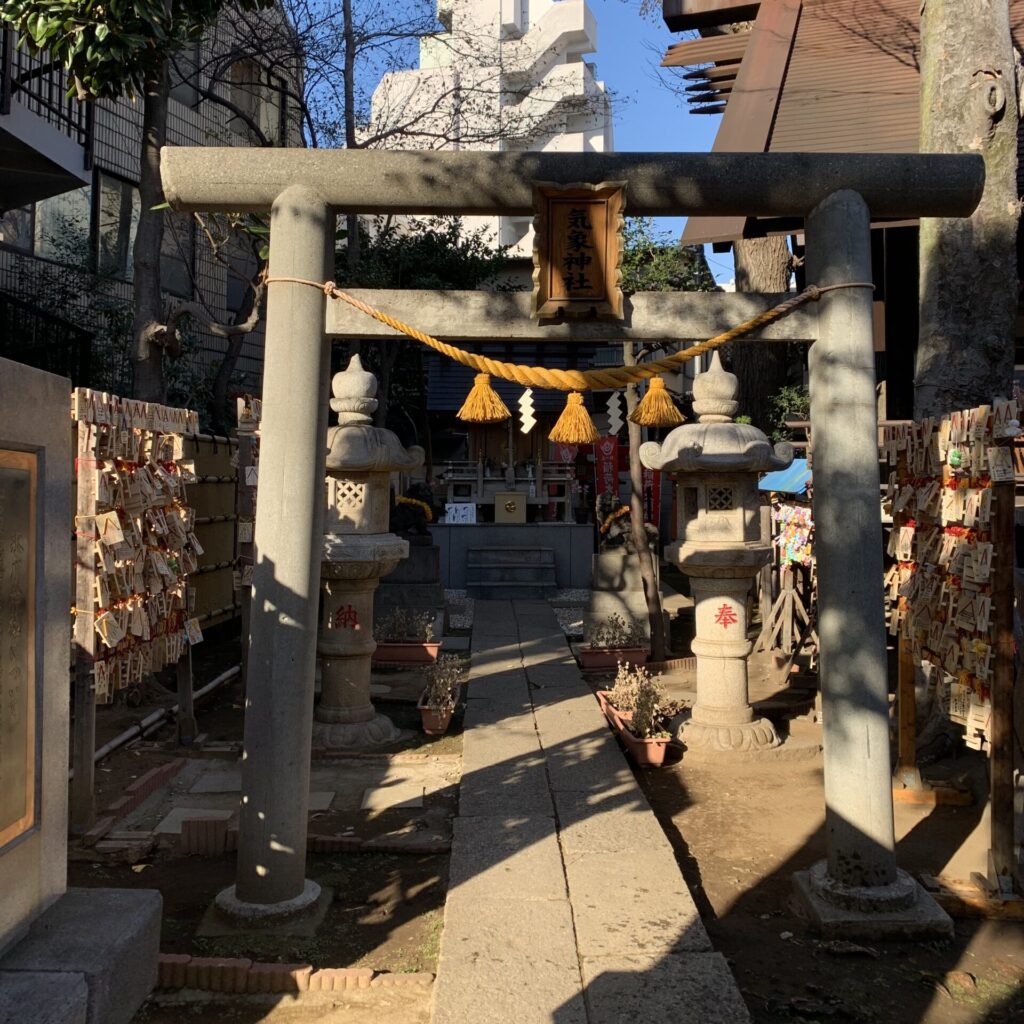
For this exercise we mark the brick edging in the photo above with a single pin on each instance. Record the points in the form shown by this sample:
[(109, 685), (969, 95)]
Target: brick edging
[(241, 976), (134, 794)]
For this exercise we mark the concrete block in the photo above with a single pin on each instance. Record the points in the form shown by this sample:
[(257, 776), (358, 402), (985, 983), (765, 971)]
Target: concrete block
[(508, 960), (110, 936), (652, 911), (690, 986), (500, 857), (923, 919), (50, 998)]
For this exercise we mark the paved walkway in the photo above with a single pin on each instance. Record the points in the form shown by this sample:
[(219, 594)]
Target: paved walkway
[(566, 905)]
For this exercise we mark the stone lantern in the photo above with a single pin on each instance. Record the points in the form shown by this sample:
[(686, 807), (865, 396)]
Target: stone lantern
[(715, 463), (357, 551)]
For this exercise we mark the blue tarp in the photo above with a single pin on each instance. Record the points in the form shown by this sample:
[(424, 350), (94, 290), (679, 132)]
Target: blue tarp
[(788, 481)]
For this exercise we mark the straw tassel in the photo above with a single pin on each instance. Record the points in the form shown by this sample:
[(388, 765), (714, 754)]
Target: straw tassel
[(483, 404), (574, 426), (656, 408)]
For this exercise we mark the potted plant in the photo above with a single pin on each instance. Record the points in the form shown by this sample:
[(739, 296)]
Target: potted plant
[(614, 640), (636, 709), (440, 695), (405, 637)]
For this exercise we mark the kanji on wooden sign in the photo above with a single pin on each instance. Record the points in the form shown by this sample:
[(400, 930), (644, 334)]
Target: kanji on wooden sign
[(577, 253)]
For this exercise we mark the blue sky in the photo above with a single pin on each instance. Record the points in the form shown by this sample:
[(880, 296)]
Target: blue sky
[(648, 117)]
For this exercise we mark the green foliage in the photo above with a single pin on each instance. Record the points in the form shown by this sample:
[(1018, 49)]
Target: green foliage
[(112, 47), (653, 262), (791, 402), (434, 253)]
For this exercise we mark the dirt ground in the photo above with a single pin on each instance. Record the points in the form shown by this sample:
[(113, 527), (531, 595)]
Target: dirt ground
[(741, 830), (387, 909)]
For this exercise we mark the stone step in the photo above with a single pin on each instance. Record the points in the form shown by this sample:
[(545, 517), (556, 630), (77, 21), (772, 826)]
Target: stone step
[(496, 572), (510, 556), (510, 591)]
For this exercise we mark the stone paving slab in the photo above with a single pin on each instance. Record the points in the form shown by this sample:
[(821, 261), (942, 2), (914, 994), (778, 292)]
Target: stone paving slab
[(218, 782), (606, 822), (171, 823), (383, 798), (632, 903), (556, 675), (487, 711), (587, 765), (508, 961), (496, 857), (510, 750), (546, 801), (509, 792), (695, 988)]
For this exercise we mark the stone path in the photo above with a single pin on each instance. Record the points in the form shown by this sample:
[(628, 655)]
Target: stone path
[(566, 905)]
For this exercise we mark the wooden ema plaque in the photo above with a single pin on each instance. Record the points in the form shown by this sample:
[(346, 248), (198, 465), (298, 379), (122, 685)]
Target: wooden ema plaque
[(577, 255), (17, 643)]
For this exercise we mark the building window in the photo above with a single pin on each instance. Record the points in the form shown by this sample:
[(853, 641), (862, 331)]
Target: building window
[(259, 96), (177, 253), (183, 69), (116, 222), (60, 230)]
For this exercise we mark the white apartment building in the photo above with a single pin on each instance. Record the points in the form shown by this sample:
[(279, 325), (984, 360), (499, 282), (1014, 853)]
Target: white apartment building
[(503, 75)]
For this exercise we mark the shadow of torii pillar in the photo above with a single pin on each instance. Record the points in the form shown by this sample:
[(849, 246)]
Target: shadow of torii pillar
[(715, 464), (358, 550)]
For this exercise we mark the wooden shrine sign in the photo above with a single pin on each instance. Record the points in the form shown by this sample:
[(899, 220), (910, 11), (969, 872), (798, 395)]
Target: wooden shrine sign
[(577, 254)]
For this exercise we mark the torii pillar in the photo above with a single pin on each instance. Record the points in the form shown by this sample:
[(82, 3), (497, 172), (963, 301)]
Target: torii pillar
[(857, 890)]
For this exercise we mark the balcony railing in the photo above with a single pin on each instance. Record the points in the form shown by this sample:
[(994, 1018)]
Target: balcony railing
[(41, 86), (30, 335)]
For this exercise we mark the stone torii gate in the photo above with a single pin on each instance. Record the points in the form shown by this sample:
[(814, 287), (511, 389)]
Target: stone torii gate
[(836, 194)]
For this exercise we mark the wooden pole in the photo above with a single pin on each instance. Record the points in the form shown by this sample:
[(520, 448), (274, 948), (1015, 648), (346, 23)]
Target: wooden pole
[(82, 808), (1002, 742), (187, 727), (245, 520)]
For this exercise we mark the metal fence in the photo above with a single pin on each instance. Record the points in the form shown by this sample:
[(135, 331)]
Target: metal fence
[(30, 336), (41, 85)]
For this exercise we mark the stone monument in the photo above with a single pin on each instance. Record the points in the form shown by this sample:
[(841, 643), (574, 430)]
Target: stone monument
[(716, 463), (358, 550), (65, 954)]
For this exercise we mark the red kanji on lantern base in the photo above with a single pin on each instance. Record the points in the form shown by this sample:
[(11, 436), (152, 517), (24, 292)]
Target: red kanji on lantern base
[(726, 616), (346, 618)]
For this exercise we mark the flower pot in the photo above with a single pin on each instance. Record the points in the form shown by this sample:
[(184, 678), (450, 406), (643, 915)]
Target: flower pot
[(435, 720), (595, 658), (612, 713), (403, 654), (648, 752)]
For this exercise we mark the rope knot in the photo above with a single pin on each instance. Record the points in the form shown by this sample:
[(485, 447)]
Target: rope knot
[(813, 292)]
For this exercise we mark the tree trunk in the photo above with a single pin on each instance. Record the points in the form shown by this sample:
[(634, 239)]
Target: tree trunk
[(762, 265), (389, 353), (652, 595), (969, 289), (148, 381), (221, 413)]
